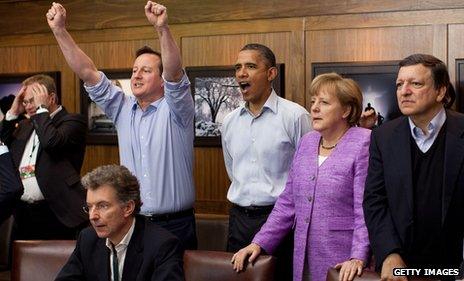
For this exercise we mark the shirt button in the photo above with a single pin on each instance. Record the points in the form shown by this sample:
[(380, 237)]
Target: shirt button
[(310, 199), (141, 137), (307, 220), (253, 140), (253, 161), (145, 175), (312, 177)]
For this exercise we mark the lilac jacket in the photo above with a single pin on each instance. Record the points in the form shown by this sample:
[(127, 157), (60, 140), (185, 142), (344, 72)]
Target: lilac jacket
[(323, 204)]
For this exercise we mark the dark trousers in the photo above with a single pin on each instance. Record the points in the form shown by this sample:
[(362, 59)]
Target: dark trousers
[(245, 223), (37, 221), (181, 227)]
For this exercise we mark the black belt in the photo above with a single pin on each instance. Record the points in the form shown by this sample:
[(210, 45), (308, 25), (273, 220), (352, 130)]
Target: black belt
[(170, 216), (254, 210)]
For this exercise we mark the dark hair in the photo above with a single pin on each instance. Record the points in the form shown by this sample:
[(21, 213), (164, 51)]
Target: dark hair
[(264, 51), (120, 178), (45, 80), (439, 74), (346, 90), (148, 50)]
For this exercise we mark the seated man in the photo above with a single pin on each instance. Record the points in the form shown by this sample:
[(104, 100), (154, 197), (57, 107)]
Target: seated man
[(10, 184), (134, 247)]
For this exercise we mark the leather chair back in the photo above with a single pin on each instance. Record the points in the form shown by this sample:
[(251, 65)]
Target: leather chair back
[(212, 266), (39, 260)]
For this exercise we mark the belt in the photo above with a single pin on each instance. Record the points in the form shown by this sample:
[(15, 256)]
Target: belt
[(254, 210), (170, 216)]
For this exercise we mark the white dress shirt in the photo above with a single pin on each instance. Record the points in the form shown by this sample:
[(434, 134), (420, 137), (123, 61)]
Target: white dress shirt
[(121, 250), (258, 150)]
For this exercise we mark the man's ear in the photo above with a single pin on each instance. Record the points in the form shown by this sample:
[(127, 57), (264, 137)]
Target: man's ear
[(129, 208), (271, 73), (53, 98), (441, 94)]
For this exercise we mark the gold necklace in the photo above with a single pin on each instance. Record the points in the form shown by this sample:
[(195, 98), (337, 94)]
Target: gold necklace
[(327, 147), (321, 142)]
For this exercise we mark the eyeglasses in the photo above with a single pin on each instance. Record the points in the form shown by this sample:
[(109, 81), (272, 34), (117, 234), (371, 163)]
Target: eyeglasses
[(100, 207), (30, 101)]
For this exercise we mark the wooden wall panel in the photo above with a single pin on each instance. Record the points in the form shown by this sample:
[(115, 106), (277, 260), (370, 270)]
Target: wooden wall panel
[(22, 17), (373, 44)]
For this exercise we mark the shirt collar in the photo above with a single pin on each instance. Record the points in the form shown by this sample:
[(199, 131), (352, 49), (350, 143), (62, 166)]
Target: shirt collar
[(271, 104), (125, 240), (433, 127), (154, 104), (56, 111)]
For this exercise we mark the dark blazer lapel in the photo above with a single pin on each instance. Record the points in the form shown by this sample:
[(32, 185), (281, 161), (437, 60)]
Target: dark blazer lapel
[(102, 260), (24, 134), (134, 254), (454, 155), (401, 152)]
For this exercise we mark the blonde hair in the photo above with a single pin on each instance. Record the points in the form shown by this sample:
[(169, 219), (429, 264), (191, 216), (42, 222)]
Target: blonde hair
[(346, 90)]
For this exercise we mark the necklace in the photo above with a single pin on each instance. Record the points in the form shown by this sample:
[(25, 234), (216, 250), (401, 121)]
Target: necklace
[(321, 142), (327, 147)]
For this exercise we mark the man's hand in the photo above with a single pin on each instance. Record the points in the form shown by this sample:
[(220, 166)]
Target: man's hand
[(238, 260), (392, 261), (156, 14), (17, 108), (56, 16), (41, 95), (368, 119), (349, 269)]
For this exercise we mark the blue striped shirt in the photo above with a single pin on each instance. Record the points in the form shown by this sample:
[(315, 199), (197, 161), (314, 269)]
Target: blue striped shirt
[(156, 145)]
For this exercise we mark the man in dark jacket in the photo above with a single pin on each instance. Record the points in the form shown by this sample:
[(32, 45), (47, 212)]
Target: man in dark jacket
[(121, 245)]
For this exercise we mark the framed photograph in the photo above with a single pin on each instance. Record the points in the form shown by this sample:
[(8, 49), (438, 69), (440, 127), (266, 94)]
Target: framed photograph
[(10, 84), (377, 81), (216, 94), (101, 128), (459, 84)]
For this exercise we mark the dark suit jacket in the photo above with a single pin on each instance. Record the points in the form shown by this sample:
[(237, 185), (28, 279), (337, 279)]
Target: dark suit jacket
[(388, 196), (11, 187), (153, 254), (59, 159)]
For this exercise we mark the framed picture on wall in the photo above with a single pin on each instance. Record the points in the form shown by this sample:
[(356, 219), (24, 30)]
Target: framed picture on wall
[(459, 84), (377, 81), (216, 94), (10, 84), (101, 128)]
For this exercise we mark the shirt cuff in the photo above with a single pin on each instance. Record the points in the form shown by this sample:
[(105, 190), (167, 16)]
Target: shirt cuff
[(9, 116), (3, 149), (41, 110)]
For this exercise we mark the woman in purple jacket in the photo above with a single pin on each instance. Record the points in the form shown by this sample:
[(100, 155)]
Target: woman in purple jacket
[(323, 196)]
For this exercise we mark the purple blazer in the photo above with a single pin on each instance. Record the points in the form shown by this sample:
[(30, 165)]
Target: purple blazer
[(323, 204)]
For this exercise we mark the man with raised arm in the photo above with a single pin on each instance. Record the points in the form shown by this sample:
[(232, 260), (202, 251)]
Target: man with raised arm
[(155, 127)]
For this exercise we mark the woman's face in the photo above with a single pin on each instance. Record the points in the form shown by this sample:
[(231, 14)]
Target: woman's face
[(327, 112)]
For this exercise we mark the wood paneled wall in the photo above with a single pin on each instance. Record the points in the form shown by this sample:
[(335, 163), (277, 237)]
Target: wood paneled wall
[(297, 41), (27, 17)]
